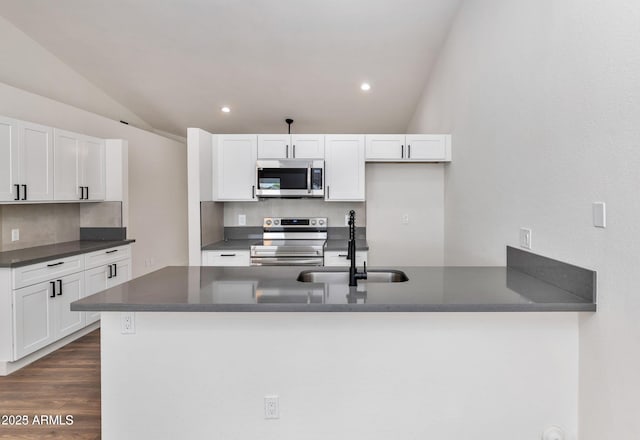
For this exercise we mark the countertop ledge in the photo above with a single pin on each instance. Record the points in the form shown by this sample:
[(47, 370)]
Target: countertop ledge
[(275, 289), (39, 254)]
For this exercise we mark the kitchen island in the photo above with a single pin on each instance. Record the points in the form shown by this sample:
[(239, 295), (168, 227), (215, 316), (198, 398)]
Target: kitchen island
[(372, 362)]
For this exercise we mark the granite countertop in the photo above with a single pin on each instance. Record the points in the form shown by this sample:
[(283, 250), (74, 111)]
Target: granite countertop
[(232, 245), (341, 245), (38, 254), (275, 289)]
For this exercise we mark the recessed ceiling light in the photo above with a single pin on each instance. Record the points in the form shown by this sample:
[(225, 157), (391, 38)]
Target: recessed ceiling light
[(365, 87), (225, 109)]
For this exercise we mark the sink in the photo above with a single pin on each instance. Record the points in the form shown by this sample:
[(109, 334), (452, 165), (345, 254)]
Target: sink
[(342, 277)]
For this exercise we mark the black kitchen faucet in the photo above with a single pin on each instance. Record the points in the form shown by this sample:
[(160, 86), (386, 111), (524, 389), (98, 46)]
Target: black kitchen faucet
[(354, 275)]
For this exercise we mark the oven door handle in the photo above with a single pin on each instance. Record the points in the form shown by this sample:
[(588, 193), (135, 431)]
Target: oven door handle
[(286, 261)]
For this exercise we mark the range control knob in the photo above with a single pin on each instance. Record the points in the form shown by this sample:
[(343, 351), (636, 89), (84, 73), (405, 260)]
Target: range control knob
[(268, 222), (276, 222), (313, 222), (321, 222)]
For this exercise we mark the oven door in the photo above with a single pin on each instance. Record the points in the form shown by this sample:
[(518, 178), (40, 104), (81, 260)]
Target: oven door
[(289, 178)]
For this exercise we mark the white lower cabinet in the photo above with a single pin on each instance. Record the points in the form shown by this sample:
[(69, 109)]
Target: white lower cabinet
[(339, 258), (39, 312), (104, 277), (226, 258), (32, 319), (42, 314)]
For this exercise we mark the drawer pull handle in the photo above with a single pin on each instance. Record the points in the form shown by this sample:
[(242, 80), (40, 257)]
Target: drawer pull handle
[(110, 272), (53, 289), (24, 196), (55, 264), (227, 255), (17, 191), (59, 287), (115, 270), (342, 255), (111, 252)]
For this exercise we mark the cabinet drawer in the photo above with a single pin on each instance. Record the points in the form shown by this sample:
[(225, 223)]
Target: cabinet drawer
[(37, 273), (106, 256), (225, 258), (339, 258)]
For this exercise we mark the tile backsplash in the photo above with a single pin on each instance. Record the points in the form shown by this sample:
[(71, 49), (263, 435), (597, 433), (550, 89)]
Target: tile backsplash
[(256, 211), (39, 224), (49, 223)]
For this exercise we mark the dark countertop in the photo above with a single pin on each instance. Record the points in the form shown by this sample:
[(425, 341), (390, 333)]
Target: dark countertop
[(232, 245), (38, 254), (275, 289), (341, 245)]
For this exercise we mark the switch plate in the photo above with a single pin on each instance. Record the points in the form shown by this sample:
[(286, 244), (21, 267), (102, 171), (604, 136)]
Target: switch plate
[(127, 323), (405, 219), (346, 219), (599, 215), (525, 238), (242, 220), (15, 234), (271, 407)]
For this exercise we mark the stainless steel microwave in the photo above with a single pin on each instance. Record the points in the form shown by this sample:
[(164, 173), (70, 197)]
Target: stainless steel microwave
[(290, 178)]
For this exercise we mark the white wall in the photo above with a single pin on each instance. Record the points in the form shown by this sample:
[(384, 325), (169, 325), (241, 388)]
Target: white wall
[(395, 190), (157, 175), (29, 66), (543, 101), (351, 376)]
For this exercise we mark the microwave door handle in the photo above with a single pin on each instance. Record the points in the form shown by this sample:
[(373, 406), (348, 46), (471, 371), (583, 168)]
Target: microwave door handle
[(309, 178)]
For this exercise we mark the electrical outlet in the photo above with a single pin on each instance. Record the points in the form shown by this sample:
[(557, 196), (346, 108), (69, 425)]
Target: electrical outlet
[(346, 219), (242, 220), (405, 219), (599, 215), (525, 238), (127, 323), (271, 407), (15, 234)]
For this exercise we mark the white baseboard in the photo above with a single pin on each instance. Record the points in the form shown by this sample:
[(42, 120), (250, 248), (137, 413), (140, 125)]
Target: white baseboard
[(7, 368)]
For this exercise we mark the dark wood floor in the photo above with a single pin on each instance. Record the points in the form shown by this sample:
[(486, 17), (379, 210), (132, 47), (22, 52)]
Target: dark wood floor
[(65, 383)]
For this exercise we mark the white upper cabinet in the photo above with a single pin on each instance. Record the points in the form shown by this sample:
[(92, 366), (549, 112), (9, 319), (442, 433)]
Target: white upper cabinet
[(26, 161), (344, 167), (9, 162), (93, 168), (80, 167), (409, 148), (307, 146), (234, 166), (385, 147), (295, 146)]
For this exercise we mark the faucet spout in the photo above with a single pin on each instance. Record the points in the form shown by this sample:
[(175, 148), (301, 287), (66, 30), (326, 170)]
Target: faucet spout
[(354, 275)]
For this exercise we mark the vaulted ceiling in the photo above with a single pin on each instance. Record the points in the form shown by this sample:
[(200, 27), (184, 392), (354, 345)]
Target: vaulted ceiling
[(175, 63)]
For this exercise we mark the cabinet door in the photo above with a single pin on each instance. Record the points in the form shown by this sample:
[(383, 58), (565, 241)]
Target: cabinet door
[(9, 159), (95, 280), (344, 168), (385, 147), (68, 290), (226, 258), (66, 165), (236, 168), (36, 161), (307, 146), (32, 318), (274, 146), (93, 167), (121, 273), (428, 147)]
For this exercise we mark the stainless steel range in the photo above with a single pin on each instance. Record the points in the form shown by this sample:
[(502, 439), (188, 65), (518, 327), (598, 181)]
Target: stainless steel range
[(291, 242)]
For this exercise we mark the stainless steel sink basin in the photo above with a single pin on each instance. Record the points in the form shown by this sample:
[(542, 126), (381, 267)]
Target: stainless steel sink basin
[(342, 277)]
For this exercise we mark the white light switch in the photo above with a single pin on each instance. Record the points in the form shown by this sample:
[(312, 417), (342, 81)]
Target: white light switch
[(242, 220), (599, 215), (525, 238), (15, 234)]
